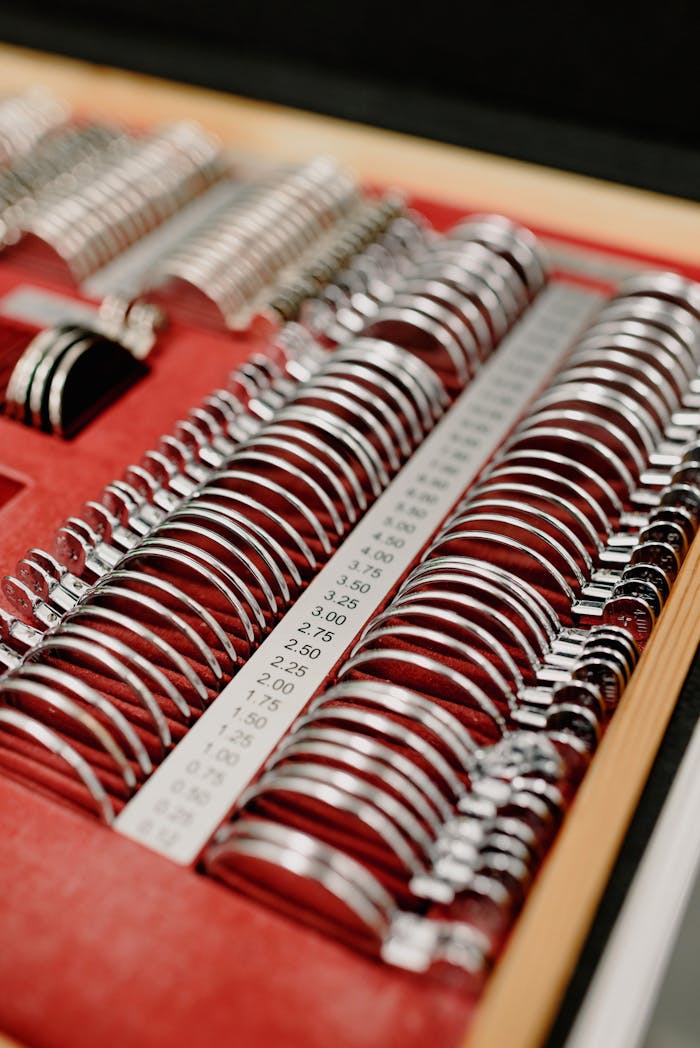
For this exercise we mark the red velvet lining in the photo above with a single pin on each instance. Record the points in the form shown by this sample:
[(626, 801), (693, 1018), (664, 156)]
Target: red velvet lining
[(102, 941)]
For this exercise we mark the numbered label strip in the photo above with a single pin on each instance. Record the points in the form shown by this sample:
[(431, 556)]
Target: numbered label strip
[(182, 804)]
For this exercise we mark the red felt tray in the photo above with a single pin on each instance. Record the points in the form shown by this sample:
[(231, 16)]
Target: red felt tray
[(104, 942)]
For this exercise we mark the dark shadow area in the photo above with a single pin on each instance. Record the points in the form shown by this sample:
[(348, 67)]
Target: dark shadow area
[(613, 96)]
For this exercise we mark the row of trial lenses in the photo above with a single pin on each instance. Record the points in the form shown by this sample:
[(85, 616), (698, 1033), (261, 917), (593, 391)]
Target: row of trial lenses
[(62, 157), (61, 734), (501, 828), (140, 183), (347, 823), (492, 618), (364, 241), (178, 469), (243, 247), (641, 559), (182, 561), (472, 637), (488, 853), (598, 424), (339, 308), (550, 499), (129, 508), (187, 604), (465, 292), (647, 310), (64, 376), (605, 660), (178, 459), (457, 264), (25, 119), (383, 785), (363, 783), (172, 485), (209, 438)]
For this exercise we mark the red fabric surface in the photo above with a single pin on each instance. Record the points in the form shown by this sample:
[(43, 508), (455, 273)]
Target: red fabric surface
[(102, 942)]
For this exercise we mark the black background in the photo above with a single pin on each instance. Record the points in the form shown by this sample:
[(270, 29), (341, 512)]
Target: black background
[(608, 90)]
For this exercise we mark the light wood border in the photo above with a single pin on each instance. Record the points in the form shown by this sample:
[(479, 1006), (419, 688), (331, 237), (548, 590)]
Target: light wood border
[(572, 204), (532, 975)]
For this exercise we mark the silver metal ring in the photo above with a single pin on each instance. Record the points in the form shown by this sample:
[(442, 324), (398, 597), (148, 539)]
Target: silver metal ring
[(656, 314), (226, 551), (462, 590), (349, 436), (516, 242), (631, 415), (638, 349), (338, 464), (473, 288), (52, 700), (567, 468), (468, 532), (109, 592), (360, 417), (566, 493), (344, 878), (440, 333), (664, 285), (111, 617), (450, 297), (392, 698), (511, 287), (365, 809), (403, 811), (143, 670), (20, 382), (495, 515), (298, 510), (189, 605), (271, 552), (407, 371), (636, 366), (56, 745), (77, 646), (390, 420), (528, 597), (324, 478), (353, 747), (671, 343), (573, 549), (565, 418), (384, 387), (444, 314), (543, 438), (276, 527), (642, 390), (217, 575), (488, 267), (462, 614), (431, 639), (434, 667)]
